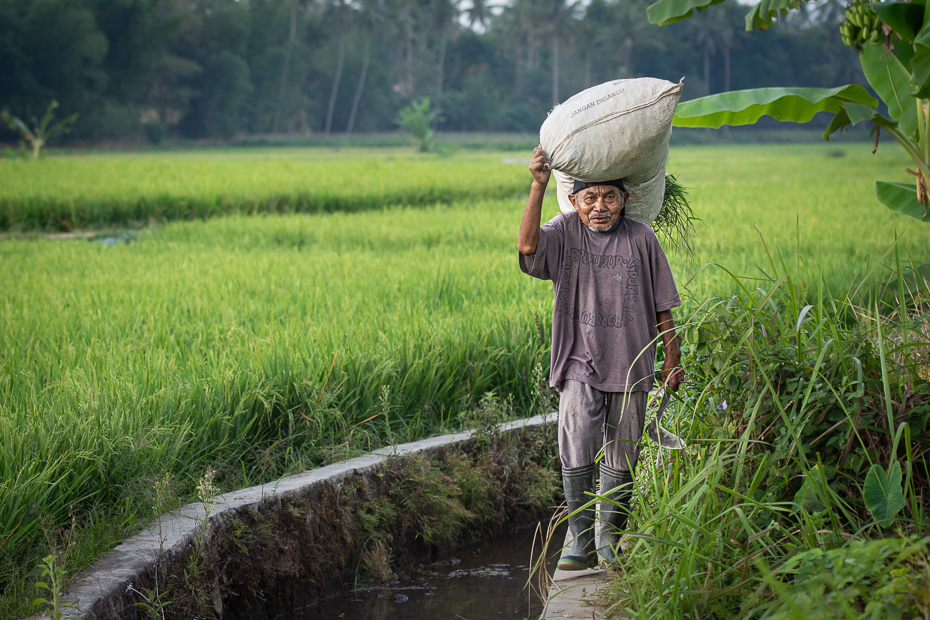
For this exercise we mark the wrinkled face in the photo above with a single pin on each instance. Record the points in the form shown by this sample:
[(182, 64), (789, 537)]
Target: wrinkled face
[(599, 206)]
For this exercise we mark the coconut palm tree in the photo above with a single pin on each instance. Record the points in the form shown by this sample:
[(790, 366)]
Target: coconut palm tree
[(560, 17), (830, 11), (519, 30), (292, 33), (479, 13), (404, 19), (728, 40), (633, 32), (705, 31), (444, 13), (371, 14), (340, 19), (508, 28)]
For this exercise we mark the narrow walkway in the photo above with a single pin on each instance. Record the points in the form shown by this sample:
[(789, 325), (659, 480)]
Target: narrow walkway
[(574, 594)]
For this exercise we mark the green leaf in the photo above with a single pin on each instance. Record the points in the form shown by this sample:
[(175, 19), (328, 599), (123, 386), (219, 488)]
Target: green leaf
[(666, 12), (852, 113), (926, 23), (839, 121), (904, 52), (810, 493), (924, 270), (764, 14), (882, 493), (745, 107), (902, 198), (920, 71), (905, 18), (892, 82), (858, 112)]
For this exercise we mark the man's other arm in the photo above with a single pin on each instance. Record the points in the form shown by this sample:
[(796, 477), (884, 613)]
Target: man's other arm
[(532, 212), (672, 373)]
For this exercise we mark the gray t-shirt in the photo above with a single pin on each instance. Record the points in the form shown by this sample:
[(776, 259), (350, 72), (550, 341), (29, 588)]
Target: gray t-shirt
[(608, 289)]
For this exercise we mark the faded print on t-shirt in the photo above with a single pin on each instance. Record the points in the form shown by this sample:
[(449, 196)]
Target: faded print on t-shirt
[(608, 289), (627, 274)]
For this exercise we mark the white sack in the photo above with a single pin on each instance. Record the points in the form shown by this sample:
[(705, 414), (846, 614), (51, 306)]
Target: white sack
[(616, 130), (645, 198)]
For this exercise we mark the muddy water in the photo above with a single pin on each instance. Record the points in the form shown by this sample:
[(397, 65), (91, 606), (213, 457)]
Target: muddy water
[(484, 581)]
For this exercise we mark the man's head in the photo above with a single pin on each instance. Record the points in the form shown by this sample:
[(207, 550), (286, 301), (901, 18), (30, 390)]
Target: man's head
[(600, 204)]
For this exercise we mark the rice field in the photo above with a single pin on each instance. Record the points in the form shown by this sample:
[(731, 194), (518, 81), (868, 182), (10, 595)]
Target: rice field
[(63, 193), (276, 341)]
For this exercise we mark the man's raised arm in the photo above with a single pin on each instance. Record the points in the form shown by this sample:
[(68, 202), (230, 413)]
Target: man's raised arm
[(532, 212)]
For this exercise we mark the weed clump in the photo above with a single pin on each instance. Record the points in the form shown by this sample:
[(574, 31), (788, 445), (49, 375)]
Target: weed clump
[(886, 578)]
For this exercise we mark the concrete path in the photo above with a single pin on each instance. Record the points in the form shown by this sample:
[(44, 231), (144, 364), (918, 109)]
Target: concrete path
[(574, 594)]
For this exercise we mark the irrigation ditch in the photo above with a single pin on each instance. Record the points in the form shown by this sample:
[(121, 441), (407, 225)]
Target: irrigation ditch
[(278, 549)]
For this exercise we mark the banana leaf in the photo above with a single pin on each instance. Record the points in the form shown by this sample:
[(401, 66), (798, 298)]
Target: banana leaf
[(666, 12), (853, 113), (902, 198), (905, 18), (745, 107), (764, 14), (892, 81)]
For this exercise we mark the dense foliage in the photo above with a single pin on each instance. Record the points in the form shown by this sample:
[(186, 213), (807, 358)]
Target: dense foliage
[(802, 493), (217, 68)]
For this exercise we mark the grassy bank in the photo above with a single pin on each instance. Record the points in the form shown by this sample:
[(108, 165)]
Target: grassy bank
[(263, 344), (803, 492)]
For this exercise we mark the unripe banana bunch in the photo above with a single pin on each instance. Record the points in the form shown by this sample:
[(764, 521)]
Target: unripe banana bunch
[(862, 25)]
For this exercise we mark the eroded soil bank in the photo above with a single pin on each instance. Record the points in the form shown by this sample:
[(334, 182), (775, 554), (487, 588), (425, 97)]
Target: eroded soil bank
[(288, 554)]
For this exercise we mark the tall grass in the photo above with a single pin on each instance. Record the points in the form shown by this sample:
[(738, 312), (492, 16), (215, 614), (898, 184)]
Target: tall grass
[(791, 406)]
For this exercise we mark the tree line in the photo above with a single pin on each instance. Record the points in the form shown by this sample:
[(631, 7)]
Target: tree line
[(221, 68)]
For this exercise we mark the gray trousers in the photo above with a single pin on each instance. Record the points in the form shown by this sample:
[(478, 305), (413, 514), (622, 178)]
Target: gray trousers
[(590, 420)]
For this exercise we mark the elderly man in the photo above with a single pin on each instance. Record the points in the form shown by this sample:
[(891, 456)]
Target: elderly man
[(614, 293)]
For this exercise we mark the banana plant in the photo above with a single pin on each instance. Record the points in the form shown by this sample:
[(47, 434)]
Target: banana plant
[(42, 131), (893, 43), (417, 119)]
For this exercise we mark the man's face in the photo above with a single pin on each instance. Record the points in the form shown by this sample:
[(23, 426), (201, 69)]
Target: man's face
[(599, 206)]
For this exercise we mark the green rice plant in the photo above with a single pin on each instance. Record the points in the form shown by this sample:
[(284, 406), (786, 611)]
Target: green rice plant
[(97, 191), (274, 345)]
